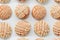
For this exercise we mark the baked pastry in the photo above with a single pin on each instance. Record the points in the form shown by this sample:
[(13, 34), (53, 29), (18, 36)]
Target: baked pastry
[(22, 11), (5, 12), (5, 30), (56, 28), (55, 11), (39, 12), (22, 28), (41, 28)]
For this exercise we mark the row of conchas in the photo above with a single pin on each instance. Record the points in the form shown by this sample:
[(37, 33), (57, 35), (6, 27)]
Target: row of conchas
[(40, 1), (22, 28), (23, 11)]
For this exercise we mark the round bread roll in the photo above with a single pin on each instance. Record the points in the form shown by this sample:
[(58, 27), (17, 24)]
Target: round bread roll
[(22, 28), (5, 30), (39, 12), (56, 28), (4, 1), (22, 39), (58, 1), (41, 28), (42, 1), (39, 39), (5, 12), (55, 11), (22, 11)]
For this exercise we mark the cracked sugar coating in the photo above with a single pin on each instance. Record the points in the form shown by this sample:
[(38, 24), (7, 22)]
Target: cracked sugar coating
[(22, 39), (58, 1), (39, 39), (42, 1), (4, 1), (39, 12), (5, 12), (22, 11), (22, 0), (41, 28), (5, 30), (55, 11), (22, 28), (56, 28)]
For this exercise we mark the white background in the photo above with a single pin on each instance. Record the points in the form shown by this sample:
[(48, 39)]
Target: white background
[(31, 36)]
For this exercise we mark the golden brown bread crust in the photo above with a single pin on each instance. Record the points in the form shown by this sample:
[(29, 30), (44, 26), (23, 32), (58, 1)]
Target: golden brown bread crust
[(55, 11), (22, 11), (22, 28), (56, 28), (39, 12), (41, 28), (5, 12), (5, 30)]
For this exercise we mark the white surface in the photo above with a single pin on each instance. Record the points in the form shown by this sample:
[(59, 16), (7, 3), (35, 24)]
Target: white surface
[(31, 36)]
